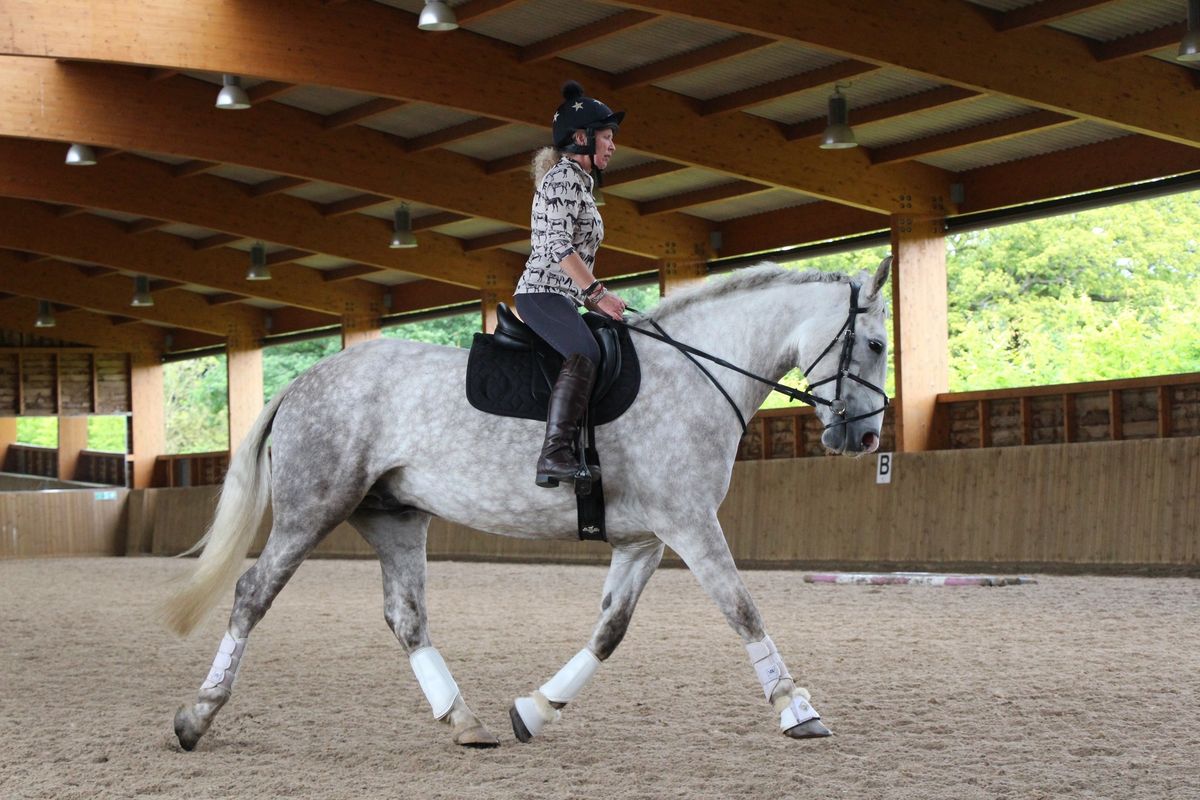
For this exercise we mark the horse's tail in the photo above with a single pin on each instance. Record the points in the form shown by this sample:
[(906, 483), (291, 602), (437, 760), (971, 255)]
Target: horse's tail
[(240, 512)]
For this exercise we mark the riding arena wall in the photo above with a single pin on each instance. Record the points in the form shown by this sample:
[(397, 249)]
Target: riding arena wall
[(1125, 506)]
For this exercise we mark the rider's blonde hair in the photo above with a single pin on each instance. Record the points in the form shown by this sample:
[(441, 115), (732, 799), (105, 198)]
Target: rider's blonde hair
[(543, 160)]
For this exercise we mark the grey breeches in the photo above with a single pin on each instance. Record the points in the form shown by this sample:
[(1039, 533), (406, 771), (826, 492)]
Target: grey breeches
[(556, 319)]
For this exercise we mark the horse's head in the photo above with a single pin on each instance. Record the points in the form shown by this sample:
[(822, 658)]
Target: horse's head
[(851, 374)]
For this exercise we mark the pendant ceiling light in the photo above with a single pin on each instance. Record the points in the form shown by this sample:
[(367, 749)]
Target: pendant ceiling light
[(80, 155), (1189, 48), (141, 293), (437, 16), (838, 134), (232, 96), (259, 271), (45, 315), (402, 234)]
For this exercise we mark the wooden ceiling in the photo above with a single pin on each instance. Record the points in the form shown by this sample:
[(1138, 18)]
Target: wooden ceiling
[(995, 103)]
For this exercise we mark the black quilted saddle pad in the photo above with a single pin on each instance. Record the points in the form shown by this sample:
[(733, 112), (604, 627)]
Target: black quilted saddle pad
[(513, 383)]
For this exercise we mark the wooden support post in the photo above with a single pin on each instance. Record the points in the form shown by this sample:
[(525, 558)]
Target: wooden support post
[(1068, 417), (497, 289), (1165, 399), (8, 435), (674, 275), (357, 328), (244, 367), (1026, 420), (72, 438), (920, 326), (1115, 428), (984, 409), (148, 431)]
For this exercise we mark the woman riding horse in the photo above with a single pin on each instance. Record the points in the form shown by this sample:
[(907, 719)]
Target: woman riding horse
[(567, 231)]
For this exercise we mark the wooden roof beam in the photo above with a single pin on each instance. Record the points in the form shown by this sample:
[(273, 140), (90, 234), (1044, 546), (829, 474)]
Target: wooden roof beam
[(358, 202), (517, 161), (135, 186), (999, 130), (145, 225), (1044, 13), (641, 172), (699, 197), (585, 35), (111, 294), (455, 133), (785, 227), (1139, 44), (792, 84), (360, 113), (888, 109), (494, 240), (963, 49), (269, 90), (474, 10), (84, 327), (275, 186), (359, 50), (196, 166), (90, 239), (689, 61)]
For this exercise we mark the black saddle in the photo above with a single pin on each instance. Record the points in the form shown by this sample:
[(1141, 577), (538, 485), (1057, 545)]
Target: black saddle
[(510, 373)]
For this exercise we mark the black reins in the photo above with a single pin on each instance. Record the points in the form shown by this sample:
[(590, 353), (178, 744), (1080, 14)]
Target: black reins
[(837, 405)]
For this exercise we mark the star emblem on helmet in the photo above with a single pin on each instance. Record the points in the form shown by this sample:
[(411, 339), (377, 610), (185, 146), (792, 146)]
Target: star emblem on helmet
[(578, 106)]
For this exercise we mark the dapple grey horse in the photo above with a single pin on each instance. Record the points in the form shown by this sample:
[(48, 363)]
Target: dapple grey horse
[(382, 435)]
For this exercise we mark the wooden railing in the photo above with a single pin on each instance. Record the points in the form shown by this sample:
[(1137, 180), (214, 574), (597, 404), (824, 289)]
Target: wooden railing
[(95, 466), (26, 459), (1136, 408), (190, 469), (795, 432)]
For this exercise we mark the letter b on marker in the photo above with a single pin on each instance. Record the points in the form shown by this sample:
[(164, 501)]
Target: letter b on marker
[(883, 470)]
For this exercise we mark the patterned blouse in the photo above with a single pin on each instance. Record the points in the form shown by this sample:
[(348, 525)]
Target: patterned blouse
[(564, 221)]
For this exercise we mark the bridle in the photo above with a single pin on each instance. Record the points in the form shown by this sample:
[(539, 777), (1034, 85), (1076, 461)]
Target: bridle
[(837, 405)]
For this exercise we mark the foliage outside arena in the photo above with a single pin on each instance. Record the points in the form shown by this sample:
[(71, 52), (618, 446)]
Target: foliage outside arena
[(1108, 293)]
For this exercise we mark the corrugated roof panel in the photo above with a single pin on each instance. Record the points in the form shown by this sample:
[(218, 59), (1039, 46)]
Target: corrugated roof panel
[(322, 100), (389, 277), (953, 117), (875, 87), (1108, 22), (528, 23), (1034, 144), (650, 43), (501, 142), (119, 216), (1003, 5), (323, 262), (188, 231), (267, 305), (198, 289), (248, 175), (321, 192), (751, 69), (670, 184), (736, 207), (387, 210), (162, 157), (475, 227), (417, 119)]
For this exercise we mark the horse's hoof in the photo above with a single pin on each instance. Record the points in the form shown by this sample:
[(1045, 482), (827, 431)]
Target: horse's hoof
[(813, 729), (519, 730), (186, 729), (477, 736)]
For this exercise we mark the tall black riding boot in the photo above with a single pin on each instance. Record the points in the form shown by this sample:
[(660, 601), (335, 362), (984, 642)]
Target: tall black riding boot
[(568, 401)]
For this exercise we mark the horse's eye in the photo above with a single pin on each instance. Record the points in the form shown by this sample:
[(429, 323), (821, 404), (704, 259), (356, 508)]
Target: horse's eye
[(875, 345)]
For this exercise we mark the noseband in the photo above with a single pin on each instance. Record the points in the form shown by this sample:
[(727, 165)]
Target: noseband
[(846, 334), (837, 405)]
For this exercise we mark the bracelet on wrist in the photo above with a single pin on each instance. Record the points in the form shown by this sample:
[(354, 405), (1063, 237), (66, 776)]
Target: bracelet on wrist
[(590, 288)]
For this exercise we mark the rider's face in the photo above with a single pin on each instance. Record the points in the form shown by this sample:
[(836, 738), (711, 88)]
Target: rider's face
[(604, 147)]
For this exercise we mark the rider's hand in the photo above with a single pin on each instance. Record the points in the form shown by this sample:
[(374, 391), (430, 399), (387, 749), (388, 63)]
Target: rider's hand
[(610, 305)]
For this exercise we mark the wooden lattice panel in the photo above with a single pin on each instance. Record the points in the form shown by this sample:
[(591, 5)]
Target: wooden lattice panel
[(9, 383), (75, 383), (38, 384), (1046, 419), (112, 383), (1185, 411)]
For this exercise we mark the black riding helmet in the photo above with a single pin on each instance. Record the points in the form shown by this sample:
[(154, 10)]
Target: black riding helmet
[(579, 112)]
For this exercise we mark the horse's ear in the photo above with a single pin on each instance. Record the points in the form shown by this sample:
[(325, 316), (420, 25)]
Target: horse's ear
[(880, 277)]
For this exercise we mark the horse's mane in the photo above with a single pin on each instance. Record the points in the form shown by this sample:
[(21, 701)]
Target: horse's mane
[(738, 281)]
